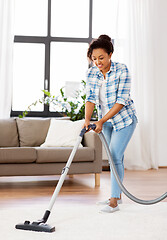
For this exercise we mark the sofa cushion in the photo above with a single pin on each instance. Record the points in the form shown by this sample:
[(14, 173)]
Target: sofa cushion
[(8, 133), (61, 154), (17, 155), (32, 132)]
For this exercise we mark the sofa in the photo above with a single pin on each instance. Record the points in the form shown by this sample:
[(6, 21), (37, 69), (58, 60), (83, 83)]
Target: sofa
[(21, 153)]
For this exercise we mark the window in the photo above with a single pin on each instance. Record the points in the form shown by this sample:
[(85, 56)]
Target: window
[(50, 47), (27, 75)]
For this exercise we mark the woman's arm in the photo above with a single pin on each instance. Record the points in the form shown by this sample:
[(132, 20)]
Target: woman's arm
[(89, 107), (113, 111)]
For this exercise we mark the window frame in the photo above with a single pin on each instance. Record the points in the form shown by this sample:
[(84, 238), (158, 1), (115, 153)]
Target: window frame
[(47, 40)]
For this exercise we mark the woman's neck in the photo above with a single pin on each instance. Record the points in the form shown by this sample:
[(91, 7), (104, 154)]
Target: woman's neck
[(106, 70)]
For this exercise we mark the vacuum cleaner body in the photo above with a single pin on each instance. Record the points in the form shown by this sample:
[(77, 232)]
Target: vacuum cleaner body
[(41, 225)]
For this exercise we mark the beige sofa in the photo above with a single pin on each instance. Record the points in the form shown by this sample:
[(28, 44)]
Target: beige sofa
[(21, 154)]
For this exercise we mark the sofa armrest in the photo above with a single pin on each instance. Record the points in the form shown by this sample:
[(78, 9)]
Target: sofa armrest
[(91, 139)]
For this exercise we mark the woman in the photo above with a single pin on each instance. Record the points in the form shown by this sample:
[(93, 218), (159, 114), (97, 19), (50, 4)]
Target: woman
[(108, 86)]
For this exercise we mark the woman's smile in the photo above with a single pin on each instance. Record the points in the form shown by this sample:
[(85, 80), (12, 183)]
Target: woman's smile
[(100, 66)]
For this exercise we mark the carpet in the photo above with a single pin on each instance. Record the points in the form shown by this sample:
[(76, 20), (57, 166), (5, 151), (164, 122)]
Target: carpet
[(84, 222)]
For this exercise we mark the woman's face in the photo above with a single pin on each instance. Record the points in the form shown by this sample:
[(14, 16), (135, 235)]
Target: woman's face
[(101, 59)]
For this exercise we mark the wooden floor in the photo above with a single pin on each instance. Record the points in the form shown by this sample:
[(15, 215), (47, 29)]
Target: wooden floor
[(28, 190)]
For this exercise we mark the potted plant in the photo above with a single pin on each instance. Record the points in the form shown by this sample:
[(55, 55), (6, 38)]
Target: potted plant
[(68, 106)]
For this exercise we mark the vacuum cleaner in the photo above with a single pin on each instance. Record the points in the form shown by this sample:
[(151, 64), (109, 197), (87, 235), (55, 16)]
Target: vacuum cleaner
[(41, 226)]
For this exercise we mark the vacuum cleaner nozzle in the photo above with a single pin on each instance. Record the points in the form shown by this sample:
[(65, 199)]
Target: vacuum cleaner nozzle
[(35, 226)]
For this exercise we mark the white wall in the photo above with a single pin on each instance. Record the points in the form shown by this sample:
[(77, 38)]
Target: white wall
[(159, 22)]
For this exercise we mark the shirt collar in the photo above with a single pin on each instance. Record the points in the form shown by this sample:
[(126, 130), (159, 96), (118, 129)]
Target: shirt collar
[(112, 67)]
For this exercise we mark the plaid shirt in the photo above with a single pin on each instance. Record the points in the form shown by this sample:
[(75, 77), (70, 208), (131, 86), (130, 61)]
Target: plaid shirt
[(117, 90)]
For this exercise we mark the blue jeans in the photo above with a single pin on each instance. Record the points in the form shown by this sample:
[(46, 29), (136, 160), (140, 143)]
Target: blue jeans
[(117, 142)]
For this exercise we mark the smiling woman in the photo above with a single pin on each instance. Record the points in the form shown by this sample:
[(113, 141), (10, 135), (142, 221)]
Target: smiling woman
[(108, 86)]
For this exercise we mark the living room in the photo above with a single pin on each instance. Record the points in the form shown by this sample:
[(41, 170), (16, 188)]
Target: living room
[(42, 111)]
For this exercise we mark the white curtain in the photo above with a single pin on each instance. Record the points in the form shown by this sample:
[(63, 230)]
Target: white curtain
[(6, 54), (134, 46)]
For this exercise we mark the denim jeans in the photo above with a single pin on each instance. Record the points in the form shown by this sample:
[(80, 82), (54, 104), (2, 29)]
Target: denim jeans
[(117, 142)]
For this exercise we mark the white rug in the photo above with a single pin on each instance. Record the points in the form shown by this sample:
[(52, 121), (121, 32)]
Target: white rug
[(84, 222)]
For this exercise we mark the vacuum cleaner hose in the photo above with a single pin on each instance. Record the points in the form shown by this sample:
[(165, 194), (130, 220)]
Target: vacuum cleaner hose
[(124, 190)]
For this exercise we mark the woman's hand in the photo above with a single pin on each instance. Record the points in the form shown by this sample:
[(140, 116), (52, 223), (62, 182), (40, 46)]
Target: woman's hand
[(86, 124), (99, 126)]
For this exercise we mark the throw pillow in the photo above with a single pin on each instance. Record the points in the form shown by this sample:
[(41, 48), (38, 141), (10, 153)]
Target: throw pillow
[(8, 133), (63, 133), (32, 131)]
